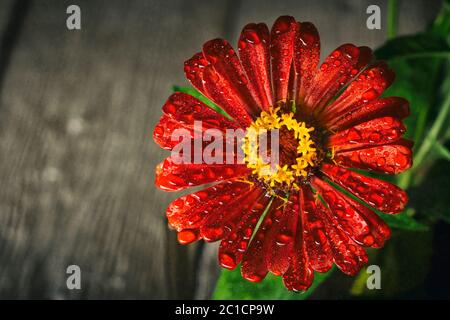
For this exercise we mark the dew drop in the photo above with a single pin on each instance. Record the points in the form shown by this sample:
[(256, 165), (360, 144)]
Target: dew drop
[(369, 95), (227, 261), (186, 236), (352, 52), (400, 160), (307, 39), (248, 232), (159, 131), (170, 108), (252, 277), (368, 240), (336, 53), (251, 36), (283, 238), (381, 161), (282, 27), (242, 245), (178, 204)]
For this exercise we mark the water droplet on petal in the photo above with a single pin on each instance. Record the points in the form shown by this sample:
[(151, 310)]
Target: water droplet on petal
[(227, 261), (369, 95), (283, 238), (368, 240), (336, 53), (187, 236), (252, 277), (251, 36), (282, 27)]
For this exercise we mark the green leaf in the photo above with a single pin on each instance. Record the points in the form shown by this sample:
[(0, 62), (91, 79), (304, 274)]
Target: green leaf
[(412, 84), (417, 61), (441, 25), (438, 116), (441, 151), (231, 286), (404, 221), (405, 264), (431, 44), (196, 94), (430, 198), (425, 45)]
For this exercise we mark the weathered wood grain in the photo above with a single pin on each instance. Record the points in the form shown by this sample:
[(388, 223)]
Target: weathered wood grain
[(77, 110), (76, 118)]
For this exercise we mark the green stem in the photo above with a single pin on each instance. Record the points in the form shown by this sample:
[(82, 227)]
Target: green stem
[(392, 19), (421, 123), (359, 285), (443, 151), (428, 142), (434, 131), (261, 219), (440, 25)]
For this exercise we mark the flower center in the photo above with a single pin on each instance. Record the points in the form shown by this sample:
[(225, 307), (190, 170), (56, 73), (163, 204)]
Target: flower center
[(290, 139)]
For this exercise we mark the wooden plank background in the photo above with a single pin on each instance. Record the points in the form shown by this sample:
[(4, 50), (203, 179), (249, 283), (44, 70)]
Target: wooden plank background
[(77, 110)]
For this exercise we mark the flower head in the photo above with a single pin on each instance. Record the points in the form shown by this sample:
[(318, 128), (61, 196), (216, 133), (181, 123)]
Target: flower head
[(311, 209)]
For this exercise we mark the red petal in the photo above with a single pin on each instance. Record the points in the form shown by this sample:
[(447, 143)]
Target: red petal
[(225, 62), (254, 263), (282, 235), (348, 256), (186, 109), (392, 106), (219, 90), (162, 134), (255, 57), (380, 194), (181, 110), (306, 58), (189, 212), (171, 176), (360, 223), (316, 241), (300, 275), (282, 51), (368, 86), (221, 222), (390, 159), (193, 69), (335, 72), (197, 149), (232, 248), (371, 133)]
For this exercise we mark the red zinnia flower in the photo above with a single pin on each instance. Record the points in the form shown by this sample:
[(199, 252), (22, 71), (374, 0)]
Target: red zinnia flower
[(330, 118)]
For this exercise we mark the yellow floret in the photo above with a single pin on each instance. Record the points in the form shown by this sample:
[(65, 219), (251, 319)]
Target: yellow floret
[(285, 175)]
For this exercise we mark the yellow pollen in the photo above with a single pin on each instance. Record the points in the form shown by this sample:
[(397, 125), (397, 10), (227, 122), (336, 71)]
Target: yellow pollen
[(275, 175)]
